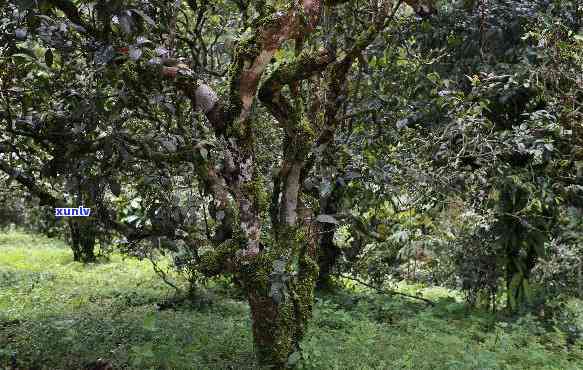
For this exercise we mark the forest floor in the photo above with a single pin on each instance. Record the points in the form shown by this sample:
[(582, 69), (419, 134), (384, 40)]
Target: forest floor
[(59, 314)]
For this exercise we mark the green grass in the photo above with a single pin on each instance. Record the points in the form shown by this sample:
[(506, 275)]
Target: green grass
[(59, 314)]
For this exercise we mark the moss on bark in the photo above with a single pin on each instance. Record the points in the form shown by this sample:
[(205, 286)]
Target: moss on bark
[(279, 323), (218, 260)]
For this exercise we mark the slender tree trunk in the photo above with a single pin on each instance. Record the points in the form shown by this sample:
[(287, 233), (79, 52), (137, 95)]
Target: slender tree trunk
[(328, 251), (327, 257), (580, 278), (74, 231), (512, 293), (516, 291)]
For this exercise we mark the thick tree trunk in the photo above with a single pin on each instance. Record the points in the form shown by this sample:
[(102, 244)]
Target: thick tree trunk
[(517, 296), (279, 283), (277, 327), (82, 241), (281, 296), (279, 278)]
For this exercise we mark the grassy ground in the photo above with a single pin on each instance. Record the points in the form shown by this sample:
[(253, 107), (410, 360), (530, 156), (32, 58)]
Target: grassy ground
[(58, 314)]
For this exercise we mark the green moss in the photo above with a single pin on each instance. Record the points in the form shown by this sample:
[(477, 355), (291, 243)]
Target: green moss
[(267, 20), (129, 72), (283, 322), (287, 338), (306, 130), (299, 139), (246, 51), (256, 272), (213, 263), (255, 189), (294, 313)]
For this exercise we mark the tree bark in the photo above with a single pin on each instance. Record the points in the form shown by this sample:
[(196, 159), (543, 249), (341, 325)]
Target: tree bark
[(279, 277), (279, 283), (328, 250), (281, 302), (327, 257), (82, 241)]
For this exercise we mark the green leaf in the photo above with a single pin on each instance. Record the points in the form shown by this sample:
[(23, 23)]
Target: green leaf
[(49, 58), (24, 56), (203, 153), (293, 358)]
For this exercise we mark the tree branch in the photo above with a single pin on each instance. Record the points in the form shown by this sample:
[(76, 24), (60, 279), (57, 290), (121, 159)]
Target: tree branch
[(384, 291), (46, 198), (71, 12), (301, 68)]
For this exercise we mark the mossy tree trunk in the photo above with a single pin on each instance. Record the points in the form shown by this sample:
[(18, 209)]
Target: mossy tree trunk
[(279, 282), (281, 295), (278, 273)]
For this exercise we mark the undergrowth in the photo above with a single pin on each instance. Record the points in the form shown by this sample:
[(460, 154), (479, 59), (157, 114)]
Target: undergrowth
[(60, 314)]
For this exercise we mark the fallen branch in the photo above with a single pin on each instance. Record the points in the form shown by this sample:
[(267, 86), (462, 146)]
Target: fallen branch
[(384, 291)]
